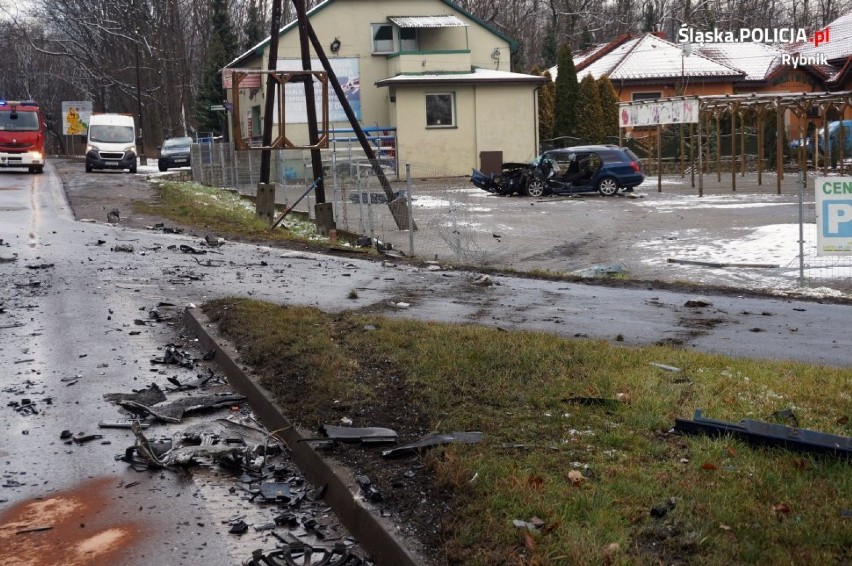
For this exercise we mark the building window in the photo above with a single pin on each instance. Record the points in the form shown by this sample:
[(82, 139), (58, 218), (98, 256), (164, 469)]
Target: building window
[(440, 110), (383, 38), (408, 39), (639, 96)]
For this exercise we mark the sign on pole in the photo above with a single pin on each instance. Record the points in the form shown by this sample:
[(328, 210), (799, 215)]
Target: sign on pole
[(658, 112), (75, 117), (834, 215)]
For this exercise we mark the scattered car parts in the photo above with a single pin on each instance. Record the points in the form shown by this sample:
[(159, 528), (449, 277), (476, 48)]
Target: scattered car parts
[(768, 434)]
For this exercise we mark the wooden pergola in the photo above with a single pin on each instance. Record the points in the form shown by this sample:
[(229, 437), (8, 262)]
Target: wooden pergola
[(740, 106)]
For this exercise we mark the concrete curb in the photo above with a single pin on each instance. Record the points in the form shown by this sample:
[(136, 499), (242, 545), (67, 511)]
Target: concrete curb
[(374, 534)]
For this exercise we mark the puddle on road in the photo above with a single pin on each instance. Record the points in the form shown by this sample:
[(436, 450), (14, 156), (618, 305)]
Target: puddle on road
[(63, 529)]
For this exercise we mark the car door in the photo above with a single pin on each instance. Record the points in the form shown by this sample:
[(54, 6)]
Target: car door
[(584, 182)]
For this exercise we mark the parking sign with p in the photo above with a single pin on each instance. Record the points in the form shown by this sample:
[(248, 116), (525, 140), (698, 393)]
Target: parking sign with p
[(834, 215)]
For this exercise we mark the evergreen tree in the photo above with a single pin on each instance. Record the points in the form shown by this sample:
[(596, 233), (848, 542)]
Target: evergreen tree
[(255, 25), (565, 104), (546, 98), (220, 51), (609, 108), (548, 46), (590, 115)]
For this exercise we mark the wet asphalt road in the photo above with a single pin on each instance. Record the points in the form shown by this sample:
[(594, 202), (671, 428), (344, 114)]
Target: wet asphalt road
[(72, 311)]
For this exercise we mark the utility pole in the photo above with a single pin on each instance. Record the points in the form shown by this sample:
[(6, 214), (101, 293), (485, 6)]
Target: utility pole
[(142, 159)]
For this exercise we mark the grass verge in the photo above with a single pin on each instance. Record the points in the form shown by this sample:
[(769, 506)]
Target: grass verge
[(590, 483), (223, 212)]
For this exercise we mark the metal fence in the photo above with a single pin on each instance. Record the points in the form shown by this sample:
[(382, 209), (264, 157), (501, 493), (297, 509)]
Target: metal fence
[(459, 223)]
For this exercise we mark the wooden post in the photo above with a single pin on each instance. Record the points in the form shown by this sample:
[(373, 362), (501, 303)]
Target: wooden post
[(659, 158), (718, 150), (779, 145), (700, 163), (742, 146), (692, 157), (825, 146), (733, 110), (760, 146), (682, 152), (707, 163)]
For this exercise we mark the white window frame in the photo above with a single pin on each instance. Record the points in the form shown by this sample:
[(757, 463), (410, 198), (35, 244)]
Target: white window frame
[(646, 96), (436, 123), (376, 50)]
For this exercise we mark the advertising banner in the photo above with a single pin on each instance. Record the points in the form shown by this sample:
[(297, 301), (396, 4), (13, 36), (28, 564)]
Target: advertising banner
[(834, 215), (654, 112), (348, 75)]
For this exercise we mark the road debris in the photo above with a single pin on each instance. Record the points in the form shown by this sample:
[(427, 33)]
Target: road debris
[(369, 435), (434, 440), (767, 434)]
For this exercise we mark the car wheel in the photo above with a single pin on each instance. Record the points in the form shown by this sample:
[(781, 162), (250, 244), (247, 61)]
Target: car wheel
[(88, 167), (163, 168), (133, 169), (608, 186), (535, 188)]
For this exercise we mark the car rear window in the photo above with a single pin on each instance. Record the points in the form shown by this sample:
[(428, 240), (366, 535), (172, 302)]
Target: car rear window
[(632, 155)]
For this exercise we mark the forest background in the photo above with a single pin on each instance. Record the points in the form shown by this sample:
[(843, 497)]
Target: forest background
[(165, 56)]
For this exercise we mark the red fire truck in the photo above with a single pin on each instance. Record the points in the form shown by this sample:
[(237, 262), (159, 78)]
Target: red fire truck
[(21, 135)]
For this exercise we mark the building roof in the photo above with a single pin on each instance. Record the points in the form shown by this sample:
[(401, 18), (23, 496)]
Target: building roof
[(648, 57), (651, 57), (756, 60), (839, 46), (477, 76)]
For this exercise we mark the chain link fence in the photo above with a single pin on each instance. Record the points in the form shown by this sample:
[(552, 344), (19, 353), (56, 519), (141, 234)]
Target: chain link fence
[(457, 223)]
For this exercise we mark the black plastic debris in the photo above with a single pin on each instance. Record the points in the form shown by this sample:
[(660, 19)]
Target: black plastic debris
[(594, 401), (275, 491), (174, 412), (238, 528), (288, 520), (367, 435), (151, 395), (39, 266), (173, 355), (200, 382), (190, 250), (767, 434), (24, 407), (370, 491), (434, 440), (121, 423), (299, 554), (661, 510), (83, 438)]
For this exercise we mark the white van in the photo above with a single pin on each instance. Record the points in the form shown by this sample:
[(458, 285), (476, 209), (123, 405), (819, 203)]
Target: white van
[(111, 142)]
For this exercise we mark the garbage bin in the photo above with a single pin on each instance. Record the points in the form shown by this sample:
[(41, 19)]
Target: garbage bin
[(490, 162)]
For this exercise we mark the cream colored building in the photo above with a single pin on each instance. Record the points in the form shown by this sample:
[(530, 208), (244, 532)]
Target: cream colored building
[(435, 74)]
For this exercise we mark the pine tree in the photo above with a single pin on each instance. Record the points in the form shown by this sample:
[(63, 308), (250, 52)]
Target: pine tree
[(565, 104), (609, 108), (254, 28), (590, 115), (220, 51), (548, 46)]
